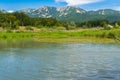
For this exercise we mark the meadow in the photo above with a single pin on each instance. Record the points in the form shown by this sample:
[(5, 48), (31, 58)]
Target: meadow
[(85, 35)]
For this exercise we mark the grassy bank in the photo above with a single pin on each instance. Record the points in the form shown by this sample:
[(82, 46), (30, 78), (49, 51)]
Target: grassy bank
[(103, 36)]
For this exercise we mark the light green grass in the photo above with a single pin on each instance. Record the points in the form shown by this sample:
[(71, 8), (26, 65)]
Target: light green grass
[(66, 36)]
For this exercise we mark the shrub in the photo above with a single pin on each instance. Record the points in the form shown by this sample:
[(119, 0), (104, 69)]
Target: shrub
[(60, 28), (43, 30), (108, 27), (71, 27), (28, 28)]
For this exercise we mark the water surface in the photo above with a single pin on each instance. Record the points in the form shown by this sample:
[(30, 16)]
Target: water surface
[(59, 61)]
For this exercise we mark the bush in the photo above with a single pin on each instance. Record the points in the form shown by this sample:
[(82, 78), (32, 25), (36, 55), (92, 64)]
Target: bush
[(60, 28), (43, 30), (71, 27), (28, 28), (116, 26), (111, 35), (108, 27)]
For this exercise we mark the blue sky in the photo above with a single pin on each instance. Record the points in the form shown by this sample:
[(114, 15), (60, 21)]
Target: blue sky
[(85, 4)]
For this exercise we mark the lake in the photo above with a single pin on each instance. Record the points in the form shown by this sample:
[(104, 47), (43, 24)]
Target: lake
[(30, 60)]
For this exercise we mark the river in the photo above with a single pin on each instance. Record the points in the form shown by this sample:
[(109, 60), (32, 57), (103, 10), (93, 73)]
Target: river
[(59, 61)]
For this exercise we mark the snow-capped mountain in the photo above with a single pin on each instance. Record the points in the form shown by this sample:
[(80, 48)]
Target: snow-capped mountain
[(6, 11), (72, 13), (10, 11), (46, 11), (43, 11), (64, 11)]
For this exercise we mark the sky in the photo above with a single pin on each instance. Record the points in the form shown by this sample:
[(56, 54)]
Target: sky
[(84, 4)]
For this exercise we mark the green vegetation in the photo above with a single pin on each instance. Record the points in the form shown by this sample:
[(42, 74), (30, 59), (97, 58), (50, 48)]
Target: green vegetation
[(15, 36), (64, 36), (12, 21), (15, 26)]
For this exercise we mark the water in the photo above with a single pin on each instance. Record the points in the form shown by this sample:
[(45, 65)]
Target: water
[(59, 61)]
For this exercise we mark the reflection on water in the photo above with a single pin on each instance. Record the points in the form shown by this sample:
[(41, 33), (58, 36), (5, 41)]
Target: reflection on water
[(30, 60)]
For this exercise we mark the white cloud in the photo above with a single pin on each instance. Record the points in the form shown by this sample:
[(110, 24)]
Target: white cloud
[(78, 2), (117, 8)]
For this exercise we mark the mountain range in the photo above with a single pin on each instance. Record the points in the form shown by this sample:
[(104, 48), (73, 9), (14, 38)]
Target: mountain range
[(72, 13)]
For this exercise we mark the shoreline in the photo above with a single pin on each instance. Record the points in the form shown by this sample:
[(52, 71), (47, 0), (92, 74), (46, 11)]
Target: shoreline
[(77, 40)]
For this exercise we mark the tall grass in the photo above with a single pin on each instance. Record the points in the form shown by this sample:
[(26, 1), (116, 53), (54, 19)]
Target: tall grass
[(12, 36), (115, 33), (110, 34)]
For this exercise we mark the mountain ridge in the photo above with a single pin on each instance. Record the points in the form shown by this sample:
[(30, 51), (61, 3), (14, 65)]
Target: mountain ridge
[(72, 13)]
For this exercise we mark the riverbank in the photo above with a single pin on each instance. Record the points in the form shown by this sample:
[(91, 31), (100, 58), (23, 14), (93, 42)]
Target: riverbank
[(91, 36), (79, 40)]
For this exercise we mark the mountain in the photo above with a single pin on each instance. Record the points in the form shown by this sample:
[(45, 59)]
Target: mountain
[(58, 13), (68, 10), (7, 11), (72, 13), (10, 11), (44, 12), (69, 13)]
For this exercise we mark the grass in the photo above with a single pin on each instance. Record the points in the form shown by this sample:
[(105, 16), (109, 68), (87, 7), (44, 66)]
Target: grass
[(103, 36), (15, 36), (79, 40)]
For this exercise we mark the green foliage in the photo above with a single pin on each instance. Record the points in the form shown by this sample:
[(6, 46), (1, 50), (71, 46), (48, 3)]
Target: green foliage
[(8, 21), (94, 23), (24, 19), (94, 35), (108, 27), (60, 29), (116, 26), (44, 29), (12, 21), (29, 28), (71, 27)]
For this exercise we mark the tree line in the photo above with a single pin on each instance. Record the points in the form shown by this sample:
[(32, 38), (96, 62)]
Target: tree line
[(99, 23), (16, 19), (13, 20)]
